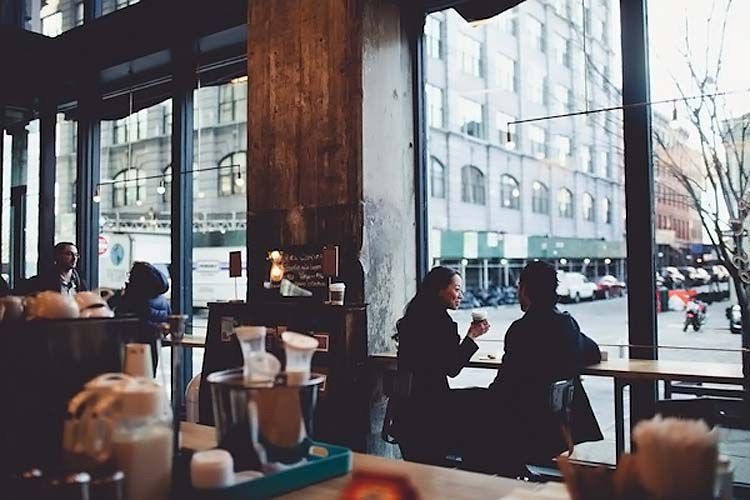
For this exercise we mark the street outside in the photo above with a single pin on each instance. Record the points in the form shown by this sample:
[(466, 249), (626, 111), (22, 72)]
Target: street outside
[(605, 321)]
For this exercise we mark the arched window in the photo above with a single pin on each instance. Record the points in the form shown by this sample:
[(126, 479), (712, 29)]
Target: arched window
[(565, 203), (437, 178), (128, 188), (472, 185), (510, 193), (539, 198), (165, 185), (232, 174), (588, 207), (606, 211)]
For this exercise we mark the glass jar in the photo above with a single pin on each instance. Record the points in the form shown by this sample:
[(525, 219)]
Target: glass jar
[(142, 441)]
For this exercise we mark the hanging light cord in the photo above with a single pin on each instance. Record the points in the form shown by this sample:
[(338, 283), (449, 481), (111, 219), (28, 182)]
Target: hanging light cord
[(628, 106), (162, 176)]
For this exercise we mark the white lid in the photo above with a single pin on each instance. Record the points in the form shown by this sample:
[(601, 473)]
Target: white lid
[(108, 381), (140, 398), (212, 469), (337, 287), (294, 340), (250, 332)]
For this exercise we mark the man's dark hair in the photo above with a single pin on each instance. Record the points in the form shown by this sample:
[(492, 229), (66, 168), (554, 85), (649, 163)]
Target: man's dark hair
[(540, 283), (59, 247)]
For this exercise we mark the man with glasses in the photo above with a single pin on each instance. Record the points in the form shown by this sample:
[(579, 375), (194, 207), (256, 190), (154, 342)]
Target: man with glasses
[(62, 278)]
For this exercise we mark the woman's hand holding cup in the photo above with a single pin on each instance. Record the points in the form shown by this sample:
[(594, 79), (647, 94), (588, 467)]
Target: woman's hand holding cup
[(479, 325)]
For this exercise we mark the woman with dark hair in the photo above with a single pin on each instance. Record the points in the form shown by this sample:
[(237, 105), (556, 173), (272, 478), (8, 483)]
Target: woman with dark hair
[(429, 351)]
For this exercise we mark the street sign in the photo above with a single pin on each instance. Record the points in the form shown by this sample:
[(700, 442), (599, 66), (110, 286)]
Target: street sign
[(103, 245)]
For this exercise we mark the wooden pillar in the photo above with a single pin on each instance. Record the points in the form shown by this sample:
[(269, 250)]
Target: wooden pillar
[(305, 132), (332, 149)]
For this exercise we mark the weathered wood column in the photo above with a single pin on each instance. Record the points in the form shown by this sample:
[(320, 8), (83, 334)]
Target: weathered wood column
[(331, 155)]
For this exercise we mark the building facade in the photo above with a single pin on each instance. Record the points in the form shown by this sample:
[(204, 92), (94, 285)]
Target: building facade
[(502, 192)]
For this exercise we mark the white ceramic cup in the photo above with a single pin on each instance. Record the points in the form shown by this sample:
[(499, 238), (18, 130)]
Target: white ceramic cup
[(212, 469), (138, 360)]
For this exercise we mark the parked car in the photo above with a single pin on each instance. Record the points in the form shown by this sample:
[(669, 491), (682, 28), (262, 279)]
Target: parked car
[(702, 276), (690, 274), (574, 287), (659, 281), (720, 272), (608, 286), (672, 277)]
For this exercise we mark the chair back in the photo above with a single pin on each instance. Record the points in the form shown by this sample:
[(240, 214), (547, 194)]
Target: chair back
[(694, 408), (560, 404)]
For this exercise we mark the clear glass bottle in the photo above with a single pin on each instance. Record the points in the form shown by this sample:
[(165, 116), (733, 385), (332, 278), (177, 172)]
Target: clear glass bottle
[(142, 441)]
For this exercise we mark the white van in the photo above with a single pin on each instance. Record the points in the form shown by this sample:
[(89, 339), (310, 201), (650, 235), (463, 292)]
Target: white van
[(574, 287)]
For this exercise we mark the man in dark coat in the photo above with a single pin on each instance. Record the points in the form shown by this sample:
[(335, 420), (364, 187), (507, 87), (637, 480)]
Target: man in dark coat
[(542, 347), (63, 277)]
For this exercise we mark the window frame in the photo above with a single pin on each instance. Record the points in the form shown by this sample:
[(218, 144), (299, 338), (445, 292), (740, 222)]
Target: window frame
[(510, 192)]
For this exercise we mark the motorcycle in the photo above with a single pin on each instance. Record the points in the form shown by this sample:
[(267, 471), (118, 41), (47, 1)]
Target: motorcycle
[(695, 315), (734, 314)]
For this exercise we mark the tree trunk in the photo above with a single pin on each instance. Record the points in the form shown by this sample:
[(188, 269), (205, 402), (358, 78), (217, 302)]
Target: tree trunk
[(743, 290)]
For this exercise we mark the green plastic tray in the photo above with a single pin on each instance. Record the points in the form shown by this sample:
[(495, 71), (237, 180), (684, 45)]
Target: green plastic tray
[(338, 462)]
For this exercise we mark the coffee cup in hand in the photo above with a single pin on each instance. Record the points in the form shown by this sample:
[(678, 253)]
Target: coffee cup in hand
[(478, 316)]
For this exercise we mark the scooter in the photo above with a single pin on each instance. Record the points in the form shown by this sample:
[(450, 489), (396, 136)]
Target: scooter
[(695, 315)]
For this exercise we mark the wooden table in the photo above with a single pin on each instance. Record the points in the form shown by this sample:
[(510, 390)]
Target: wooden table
[(624, 372), (188, 342), (430, 481)]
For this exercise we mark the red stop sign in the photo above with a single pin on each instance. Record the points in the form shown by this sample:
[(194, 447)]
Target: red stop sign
[(102, 245)]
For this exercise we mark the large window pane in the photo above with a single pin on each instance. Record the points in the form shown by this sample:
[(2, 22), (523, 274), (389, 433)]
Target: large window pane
[(113, 5), (698, 59), (53, 17), (65, 182), (533, 190), (220, 186), (134, 221)]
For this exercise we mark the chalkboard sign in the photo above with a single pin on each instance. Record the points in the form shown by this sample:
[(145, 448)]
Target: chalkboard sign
[(304, 269)]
